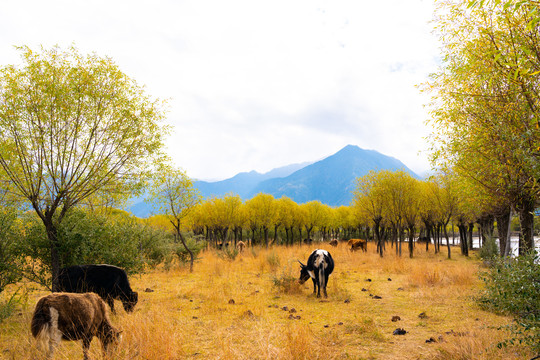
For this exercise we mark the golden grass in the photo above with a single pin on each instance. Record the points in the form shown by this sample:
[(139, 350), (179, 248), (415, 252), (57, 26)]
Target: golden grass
[(253, 308)]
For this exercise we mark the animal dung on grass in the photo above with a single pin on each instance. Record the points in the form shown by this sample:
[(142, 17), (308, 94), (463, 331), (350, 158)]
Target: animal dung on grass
[(71, 316), (319, 267), (396, 318), (399, 331)]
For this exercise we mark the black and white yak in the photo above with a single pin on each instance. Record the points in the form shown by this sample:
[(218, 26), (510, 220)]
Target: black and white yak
[(319, 267)]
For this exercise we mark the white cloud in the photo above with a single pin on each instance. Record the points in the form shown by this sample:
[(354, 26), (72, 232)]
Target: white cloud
[(257, 84)]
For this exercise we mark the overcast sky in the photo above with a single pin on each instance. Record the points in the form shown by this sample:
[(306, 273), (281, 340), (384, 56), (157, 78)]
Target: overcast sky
[(255, 85)]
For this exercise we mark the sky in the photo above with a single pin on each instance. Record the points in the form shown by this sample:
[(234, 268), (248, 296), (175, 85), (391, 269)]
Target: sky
[(256, 85)]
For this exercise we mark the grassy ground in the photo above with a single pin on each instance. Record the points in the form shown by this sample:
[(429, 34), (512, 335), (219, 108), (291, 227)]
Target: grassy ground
[(253, 308)]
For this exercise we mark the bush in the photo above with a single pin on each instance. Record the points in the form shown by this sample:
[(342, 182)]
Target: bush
[(10, 259), (194, 244), (490, 250), (90, 238), (228, 253), (513, 288)]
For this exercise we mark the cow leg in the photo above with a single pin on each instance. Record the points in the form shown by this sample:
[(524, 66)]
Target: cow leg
[(86, 346), (324, 286), (110, 301), (314, 285)]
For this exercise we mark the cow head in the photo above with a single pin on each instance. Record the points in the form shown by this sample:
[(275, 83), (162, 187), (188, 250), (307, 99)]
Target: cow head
[(304, 274), (130, 301)]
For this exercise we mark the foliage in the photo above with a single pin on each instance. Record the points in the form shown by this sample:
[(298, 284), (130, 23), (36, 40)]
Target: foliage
[(513, 287), (195, 244), (490, 250), (485, 100), (228, 253), (8, 306), (74, 129), (176, 198), (90, 238), (10, 259)]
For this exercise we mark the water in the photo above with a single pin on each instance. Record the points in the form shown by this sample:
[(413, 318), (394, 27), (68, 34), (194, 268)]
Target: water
[(514, 244)]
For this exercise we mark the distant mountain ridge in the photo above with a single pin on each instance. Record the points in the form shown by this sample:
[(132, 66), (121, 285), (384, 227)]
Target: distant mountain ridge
[(330, 180), (243, 183)]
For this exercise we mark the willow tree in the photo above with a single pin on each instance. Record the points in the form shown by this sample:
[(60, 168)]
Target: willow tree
[(262, 213), (172, 191), (486, 108), (72, 125), (369, 200)]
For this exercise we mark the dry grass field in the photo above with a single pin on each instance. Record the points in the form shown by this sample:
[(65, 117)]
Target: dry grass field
[(253, 308)]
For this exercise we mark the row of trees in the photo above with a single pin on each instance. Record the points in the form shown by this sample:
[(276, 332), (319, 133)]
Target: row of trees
[(387, 206), (485, 107)]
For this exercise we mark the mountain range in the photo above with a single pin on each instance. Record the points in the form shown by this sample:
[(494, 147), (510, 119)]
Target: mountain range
[(330, 180)]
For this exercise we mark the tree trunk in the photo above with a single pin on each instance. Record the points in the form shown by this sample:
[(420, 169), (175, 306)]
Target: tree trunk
[(503, 222), (526, 222), (470, 237), (191, 255), (52, 235), (411, 241), (447, 241)]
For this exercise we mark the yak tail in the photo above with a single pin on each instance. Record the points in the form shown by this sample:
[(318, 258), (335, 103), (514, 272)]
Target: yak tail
[(41, 320)]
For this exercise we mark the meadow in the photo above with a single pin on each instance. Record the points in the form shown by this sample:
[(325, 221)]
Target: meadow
[(252, 307)]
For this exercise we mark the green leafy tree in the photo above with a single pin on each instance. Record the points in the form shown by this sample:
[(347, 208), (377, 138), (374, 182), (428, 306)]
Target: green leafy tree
[(71, 126), (173, 192), (485, 101)]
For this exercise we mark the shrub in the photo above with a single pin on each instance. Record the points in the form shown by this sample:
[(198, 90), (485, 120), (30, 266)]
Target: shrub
[(490, 250), (194, 244), (90, 238), (228, 253), (10, 259), (273, 260), (513, 288)]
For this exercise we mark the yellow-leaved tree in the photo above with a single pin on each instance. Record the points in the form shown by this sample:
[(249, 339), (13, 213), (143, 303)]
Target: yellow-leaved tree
[(72, 126)]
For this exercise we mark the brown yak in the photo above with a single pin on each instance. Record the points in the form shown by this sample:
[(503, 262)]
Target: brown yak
[(71, 316)]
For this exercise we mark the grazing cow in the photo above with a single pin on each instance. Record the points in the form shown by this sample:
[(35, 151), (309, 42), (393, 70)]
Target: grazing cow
[(319, 267), (356, 244), (108, 281), (240, 246), (69, 316), (333, 242)]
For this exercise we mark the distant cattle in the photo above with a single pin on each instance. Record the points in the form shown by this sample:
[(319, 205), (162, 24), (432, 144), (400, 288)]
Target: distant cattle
[(424, 239), (240, 246), (308, 241), (333, 242), (356, 244), (319, 267), (68, 316), (108, 281)]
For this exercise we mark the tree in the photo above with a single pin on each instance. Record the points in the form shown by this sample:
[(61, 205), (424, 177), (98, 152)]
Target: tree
[(173, 192), (485, 104), (314, 215), (71, 126), (263, 213), (368, 197)]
